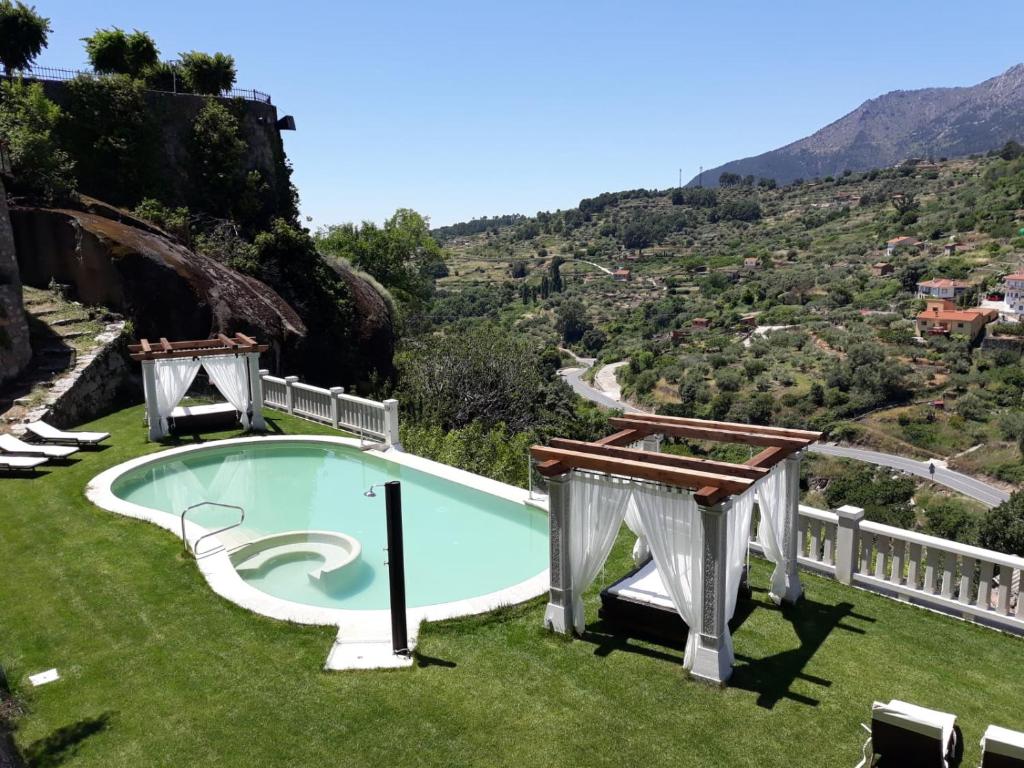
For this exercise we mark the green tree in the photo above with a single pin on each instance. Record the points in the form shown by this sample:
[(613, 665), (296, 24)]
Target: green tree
[(28, 121), (23, 35), (112, 137), (636, 235), (884, 498), (571, 321), (207, 74), (485, 375), (1003, 527), (216, 152), (116, 52), (402, 255)]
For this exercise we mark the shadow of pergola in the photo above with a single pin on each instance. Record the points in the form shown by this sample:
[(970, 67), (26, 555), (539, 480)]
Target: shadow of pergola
[(772, 677)]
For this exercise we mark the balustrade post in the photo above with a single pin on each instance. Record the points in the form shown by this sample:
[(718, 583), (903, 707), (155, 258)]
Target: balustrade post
[(847, 536), (558, 615), (336, 405), (289, 393), (391, 435), (712, 655)]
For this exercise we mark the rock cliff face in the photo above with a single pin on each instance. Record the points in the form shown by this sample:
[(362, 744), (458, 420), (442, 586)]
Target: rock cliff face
[(15, 351), (116, 260), (881, 132)]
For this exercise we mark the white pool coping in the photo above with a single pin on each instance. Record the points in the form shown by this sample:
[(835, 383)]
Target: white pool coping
[(364, 637)]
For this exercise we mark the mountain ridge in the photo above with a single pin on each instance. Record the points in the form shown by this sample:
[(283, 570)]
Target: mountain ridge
[(895, 126)]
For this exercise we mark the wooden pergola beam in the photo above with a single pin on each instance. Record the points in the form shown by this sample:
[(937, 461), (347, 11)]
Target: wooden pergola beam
[(725, 426), (716, 434), (644, 470), (222, 345), (664, 459)]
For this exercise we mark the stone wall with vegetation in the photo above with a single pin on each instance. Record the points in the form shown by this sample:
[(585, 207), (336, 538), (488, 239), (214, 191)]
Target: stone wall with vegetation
[(15, 351), (99, 382)]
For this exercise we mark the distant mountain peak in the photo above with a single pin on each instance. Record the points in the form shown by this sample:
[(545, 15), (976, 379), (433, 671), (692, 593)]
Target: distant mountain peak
[(901, 124)]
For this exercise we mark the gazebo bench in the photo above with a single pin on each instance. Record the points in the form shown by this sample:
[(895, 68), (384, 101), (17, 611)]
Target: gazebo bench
[(203, 418)]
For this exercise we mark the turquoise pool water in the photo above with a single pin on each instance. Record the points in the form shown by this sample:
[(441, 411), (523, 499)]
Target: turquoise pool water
[(459, 542)]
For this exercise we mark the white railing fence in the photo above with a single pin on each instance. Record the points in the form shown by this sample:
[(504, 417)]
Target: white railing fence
[(969, 582), (367, 418)]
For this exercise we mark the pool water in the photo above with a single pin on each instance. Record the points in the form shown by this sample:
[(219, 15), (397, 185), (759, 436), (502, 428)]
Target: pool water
[(460, 542)]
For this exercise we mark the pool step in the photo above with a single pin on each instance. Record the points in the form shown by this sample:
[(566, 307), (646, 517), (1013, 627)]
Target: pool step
[(338, 551)]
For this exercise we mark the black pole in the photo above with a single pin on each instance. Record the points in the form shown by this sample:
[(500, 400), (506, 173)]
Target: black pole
[(396, 567)]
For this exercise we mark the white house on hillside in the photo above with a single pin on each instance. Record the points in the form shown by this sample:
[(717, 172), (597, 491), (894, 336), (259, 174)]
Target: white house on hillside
[(1013, 290)]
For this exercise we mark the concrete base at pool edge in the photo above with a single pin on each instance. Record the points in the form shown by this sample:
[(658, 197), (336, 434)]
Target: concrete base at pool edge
[(363, 653)]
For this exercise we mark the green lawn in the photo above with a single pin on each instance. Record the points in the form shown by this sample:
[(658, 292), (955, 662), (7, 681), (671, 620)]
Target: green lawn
[(159, 671)]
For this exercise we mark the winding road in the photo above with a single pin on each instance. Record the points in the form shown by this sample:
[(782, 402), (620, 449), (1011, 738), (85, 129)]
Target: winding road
[(989, 495)]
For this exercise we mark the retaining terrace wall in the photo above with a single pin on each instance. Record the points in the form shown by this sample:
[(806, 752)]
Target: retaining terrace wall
[(98, 383)]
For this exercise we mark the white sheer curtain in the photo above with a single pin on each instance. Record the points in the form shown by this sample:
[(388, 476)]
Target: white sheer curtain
[(173, 378), (739, 516), (229, 374), (641, 549), (597, 504), (773, 501), (671, 521)]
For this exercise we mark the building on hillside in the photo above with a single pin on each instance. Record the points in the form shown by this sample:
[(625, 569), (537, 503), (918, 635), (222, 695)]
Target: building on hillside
[(621, 275), (950, 249), (678, 336), (942, 288), (881, 268), (1013, 293), (751, 262), (900, 242), (750, 320), (942, 318), (701, 323)]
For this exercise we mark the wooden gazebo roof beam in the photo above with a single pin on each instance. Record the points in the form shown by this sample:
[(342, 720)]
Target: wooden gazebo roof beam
[(222, 345), (644, 470), (717, 434), (664, 459), (723, 426)]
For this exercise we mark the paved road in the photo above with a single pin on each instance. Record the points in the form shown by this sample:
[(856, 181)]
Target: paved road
[(584, 390), (987, 494)]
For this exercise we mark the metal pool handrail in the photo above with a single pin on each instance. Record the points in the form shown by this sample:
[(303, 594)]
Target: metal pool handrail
[(195, 547)]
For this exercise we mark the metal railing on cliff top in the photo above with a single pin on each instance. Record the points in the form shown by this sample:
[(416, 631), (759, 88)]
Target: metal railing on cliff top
[(56, 74)]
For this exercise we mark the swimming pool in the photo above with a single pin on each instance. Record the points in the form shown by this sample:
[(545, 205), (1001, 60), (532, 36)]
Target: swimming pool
[(471, 544)]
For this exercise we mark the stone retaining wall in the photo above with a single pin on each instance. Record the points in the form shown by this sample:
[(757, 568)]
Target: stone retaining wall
[(99, 382), (15, 352)]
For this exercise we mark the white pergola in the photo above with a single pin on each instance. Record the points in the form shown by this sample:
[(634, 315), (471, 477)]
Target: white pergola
[(691, 510), (169, 367)]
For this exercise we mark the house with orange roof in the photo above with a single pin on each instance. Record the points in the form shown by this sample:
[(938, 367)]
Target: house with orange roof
[(942, 288), (941, 317)]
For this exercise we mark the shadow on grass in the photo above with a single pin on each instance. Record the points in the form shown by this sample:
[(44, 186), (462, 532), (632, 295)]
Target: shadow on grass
[(422, 660), (62, 744), (772, 677)]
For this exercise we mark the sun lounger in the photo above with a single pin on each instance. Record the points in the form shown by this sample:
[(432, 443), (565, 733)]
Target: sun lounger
[(48, 434), (910, 736), (11, 444), (1002, 748), (20, 463)]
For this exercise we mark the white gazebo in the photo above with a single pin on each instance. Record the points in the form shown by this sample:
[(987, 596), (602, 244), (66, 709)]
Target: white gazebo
[(692, 517), (169, 367)]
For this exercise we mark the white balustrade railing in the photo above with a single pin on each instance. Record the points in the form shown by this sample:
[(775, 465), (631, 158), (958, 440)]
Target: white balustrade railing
[(970, 582), (367, 418)]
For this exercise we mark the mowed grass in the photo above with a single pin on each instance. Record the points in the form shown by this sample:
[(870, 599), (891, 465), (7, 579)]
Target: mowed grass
[(159, 671)]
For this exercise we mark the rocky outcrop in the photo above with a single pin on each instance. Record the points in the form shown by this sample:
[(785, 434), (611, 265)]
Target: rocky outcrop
[(15, 351), (112, 259)]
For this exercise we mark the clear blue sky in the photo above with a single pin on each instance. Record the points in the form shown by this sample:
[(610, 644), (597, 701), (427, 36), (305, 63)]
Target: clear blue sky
[(461, 109)]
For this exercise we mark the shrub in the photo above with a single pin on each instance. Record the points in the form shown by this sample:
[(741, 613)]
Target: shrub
[(208, 74), (495, 453), (23, 34), (1003, 527), (216, 150), (27, 123), (116, 52)]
